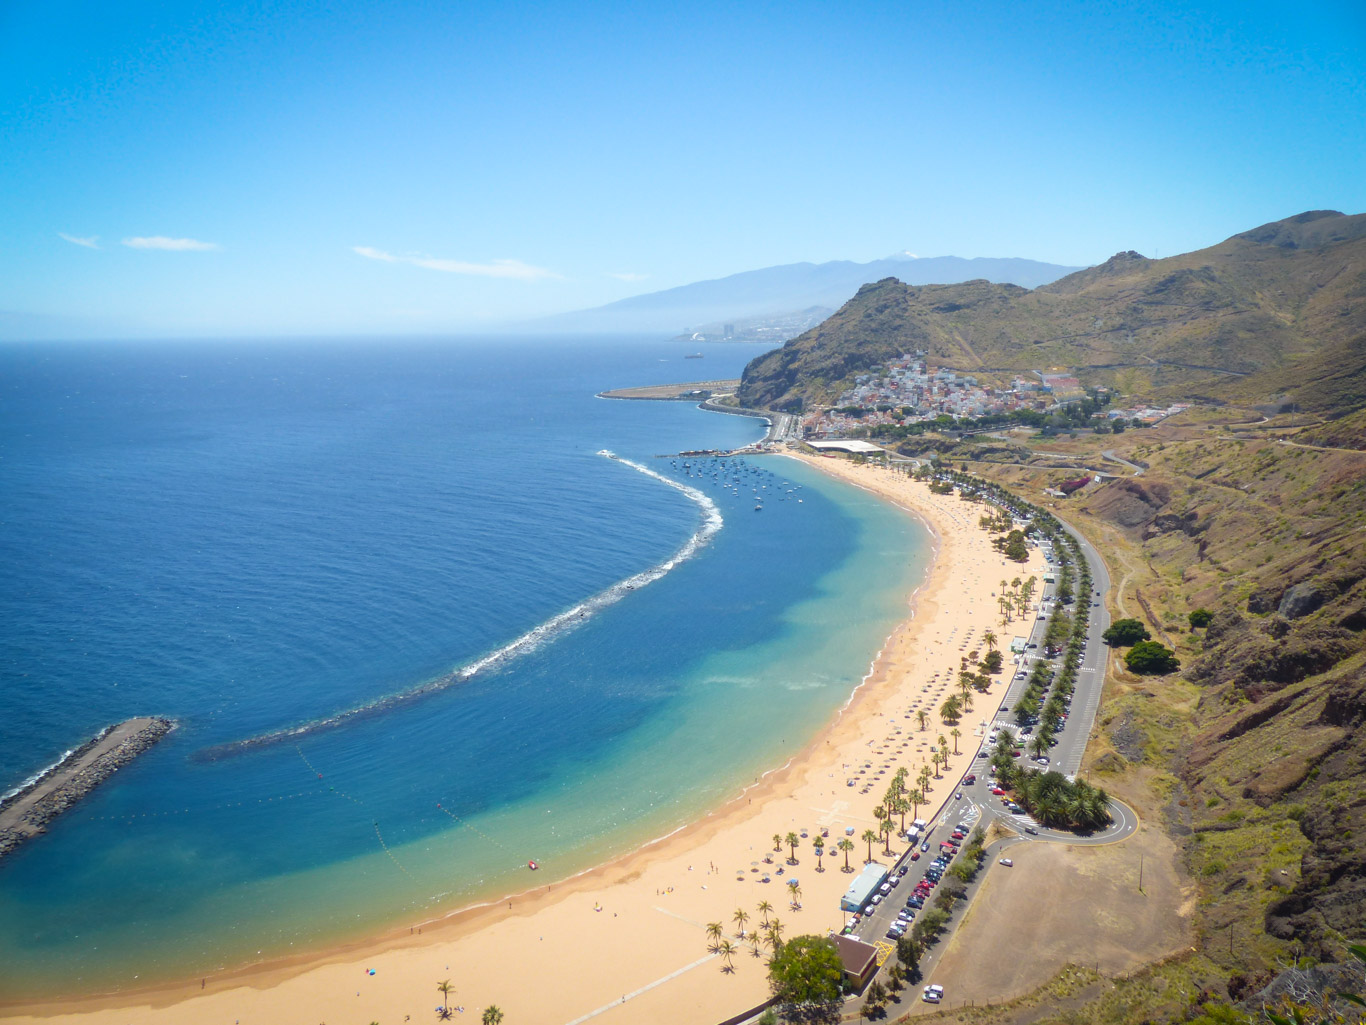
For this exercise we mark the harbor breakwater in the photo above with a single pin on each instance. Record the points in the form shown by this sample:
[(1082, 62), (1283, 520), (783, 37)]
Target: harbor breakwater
[(26, 812)]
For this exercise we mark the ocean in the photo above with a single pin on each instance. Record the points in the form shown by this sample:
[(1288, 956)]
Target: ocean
[(423, 611)]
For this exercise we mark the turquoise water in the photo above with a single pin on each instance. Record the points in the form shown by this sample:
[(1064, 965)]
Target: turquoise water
[(256, 538)]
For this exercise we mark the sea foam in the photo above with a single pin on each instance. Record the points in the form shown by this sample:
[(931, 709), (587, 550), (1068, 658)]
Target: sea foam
[(536, 637)]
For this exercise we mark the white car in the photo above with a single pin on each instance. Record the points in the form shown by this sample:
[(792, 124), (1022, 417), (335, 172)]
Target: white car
[(1007, 862), (932, 994)]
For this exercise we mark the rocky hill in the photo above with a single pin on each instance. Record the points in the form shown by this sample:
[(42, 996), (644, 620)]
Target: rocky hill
[(1253, 756), (1272, 315)]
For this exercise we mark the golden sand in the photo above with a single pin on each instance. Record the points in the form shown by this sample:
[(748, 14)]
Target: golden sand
[(627, 942)]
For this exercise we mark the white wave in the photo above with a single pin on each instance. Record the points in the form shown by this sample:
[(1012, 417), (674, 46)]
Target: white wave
[(42, 774), (534, 638)]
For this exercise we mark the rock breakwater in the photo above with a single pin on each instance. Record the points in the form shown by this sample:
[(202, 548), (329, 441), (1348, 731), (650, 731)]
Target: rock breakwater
[(26, 813)]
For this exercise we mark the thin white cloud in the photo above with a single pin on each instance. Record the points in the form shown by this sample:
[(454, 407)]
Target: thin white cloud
[(515, 269), (178, 245), (93, 242), (627, 275)]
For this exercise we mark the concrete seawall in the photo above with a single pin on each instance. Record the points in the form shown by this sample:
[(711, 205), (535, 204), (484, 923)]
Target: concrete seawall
[(27, 813)]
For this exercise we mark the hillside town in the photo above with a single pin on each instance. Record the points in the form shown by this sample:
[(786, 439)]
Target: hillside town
[(908, 390)]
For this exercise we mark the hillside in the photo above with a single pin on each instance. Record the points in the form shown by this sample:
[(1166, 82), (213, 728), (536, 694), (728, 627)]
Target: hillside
[(1252, 757), (785, 289), (1275, 314)]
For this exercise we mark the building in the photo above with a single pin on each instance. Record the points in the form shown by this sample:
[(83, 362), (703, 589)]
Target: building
[(860, 448), (872, 876), (858, 958)]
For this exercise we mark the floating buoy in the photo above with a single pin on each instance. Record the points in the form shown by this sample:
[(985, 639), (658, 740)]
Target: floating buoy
[(532, 865)]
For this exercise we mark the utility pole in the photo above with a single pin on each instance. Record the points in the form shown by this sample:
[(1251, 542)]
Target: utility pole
[(1140, 873)]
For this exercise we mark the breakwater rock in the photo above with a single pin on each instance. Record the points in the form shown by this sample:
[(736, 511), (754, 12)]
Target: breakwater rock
[(27, 812)]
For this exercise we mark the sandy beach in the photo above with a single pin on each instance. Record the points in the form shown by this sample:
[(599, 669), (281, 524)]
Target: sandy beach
[(627, 942)]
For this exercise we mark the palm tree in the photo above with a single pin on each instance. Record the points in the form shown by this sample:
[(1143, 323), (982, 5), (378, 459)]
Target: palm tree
[(922, 717), (917, 799), (819, 844), (948, 711), (886, 830), (901, 805), (989, 639), (955, 733), (794, 891), (727, 949), (777, 843), (493, 1015), (741, 916), (846, 845), (714, 931), (934, 757), (764, 908), (445, 987), (775, 935), (754, 940), (792, 840), (868, 837)]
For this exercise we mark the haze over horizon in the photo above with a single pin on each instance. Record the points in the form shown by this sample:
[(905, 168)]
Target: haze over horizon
[(203, 169)]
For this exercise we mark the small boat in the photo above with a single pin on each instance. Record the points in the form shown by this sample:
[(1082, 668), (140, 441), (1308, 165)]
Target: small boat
[(532, 865), (758, 508)]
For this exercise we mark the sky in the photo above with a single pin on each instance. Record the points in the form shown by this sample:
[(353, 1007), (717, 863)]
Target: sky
[(191, 169)]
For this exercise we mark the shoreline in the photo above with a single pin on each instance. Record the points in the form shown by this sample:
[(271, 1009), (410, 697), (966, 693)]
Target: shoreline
[(657, 895)]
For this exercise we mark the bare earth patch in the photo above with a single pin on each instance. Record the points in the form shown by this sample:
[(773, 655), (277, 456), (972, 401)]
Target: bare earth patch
[(1062, 905)]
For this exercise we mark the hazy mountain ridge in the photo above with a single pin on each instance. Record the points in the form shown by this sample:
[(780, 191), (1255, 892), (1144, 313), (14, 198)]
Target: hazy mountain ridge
[(789, 287), (1268, 312)]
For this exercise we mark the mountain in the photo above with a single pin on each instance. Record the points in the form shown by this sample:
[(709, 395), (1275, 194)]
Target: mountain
[(1277, 313), (787, 289)]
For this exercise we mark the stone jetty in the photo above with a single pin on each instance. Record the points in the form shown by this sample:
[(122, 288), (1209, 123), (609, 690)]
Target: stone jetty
[(27, 813)]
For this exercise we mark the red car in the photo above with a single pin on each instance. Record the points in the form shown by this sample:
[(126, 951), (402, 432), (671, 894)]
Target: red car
[(915, 855), (956, 835), (998, 792)]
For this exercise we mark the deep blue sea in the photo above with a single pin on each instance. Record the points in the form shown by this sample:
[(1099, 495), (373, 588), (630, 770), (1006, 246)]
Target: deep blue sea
[(256, 537)]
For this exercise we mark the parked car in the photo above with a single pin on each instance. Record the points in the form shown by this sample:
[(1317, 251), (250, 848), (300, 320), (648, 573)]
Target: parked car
[(1007, 862), (932, 994)]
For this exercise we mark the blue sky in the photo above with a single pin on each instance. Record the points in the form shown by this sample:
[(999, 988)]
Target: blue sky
[(292, 168)]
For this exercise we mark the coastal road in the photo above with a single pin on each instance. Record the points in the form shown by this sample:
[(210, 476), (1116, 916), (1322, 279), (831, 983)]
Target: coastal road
[(976, 805)]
